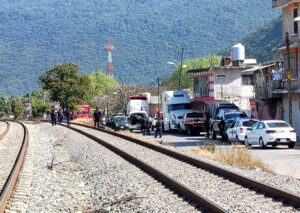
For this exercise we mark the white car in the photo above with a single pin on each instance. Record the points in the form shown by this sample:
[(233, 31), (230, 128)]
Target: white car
[(271, 132), (238, 130)]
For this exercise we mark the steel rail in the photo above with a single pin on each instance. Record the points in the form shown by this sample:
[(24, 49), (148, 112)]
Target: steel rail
[(271, 191), (15, 171), (162, 177), (5, 131)]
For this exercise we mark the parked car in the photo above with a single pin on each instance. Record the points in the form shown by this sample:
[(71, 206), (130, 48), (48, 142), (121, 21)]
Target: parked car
[(229, 116), (118, 122), (192, 122), (271, 132), (238, 130)]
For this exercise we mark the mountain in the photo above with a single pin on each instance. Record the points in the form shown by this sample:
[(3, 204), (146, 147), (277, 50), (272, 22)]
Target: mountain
[(36, 34), (262, 43)]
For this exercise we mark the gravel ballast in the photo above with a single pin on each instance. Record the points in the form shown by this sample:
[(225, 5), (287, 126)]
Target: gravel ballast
[(86, 177)]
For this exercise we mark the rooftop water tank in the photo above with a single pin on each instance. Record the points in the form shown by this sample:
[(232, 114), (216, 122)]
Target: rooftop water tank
[(238, 52)]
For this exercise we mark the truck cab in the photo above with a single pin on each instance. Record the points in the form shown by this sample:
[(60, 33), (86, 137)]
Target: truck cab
[(174, 105)]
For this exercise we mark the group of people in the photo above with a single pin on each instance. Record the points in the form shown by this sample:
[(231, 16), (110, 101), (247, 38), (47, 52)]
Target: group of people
[(221, 125), (57, 115)]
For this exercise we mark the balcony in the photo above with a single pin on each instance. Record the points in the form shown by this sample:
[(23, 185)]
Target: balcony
[(279, 3)]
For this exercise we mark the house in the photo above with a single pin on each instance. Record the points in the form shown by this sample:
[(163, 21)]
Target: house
[(226, 83), (267, 81), (291, 36)]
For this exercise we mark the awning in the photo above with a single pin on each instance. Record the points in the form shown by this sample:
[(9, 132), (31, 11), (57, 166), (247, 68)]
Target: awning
[(251, 70)]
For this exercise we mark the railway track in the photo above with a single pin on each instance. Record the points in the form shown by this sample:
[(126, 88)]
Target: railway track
[(209, 186), (13, 148)]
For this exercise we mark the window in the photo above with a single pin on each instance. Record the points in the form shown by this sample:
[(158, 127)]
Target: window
[(247, 80), (278, 125), (237, 124), (255, 125), (295, 14), (221, 76), (261, 125)]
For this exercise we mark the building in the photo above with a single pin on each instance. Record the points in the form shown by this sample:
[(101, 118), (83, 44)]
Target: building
[(290, 32), (267, 81), (226, 83)]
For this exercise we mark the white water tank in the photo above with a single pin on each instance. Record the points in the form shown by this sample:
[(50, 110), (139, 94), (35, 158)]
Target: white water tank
[(238, 52)]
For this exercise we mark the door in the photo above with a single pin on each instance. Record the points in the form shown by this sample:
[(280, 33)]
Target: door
[(252, 134)]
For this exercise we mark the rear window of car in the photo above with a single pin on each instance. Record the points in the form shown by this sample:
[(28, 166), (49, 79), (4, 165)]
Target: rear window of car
[(195, 115), (235, 115), (249, 123), (277, 124)]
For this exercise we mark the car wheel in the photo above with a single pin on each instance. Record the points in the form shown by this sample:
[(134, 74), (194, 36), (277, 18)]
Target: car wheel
[(261, 143), (274, 145), (247, 144), (291, 146)]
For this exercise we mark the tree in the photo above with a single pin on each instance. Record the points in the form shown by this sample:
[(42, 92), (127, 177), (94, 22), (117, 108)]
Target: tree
[(38, 102), (65, 84), (17, 107), (172, 82)]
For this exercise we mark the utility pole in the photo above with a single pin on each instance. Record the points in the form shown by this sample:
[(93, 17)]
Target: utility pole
[(289, 77), (158, 93), (180, 71)]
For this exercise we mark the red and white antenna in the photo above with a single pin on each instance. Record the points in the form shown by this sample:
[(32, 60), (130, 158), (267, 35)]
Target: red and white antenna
[(109, 48)]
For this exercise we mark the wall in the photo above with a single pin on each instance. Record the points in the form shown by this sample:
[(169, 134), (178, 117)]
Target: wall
[(295, 110), (230, 88)]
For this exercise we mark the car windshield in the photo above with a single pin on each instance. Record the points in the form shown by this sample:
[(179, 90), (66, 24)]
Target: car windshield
[(180, 107), (249, 123), (278, 125), (194, 115), (120, 119), (235, 115)]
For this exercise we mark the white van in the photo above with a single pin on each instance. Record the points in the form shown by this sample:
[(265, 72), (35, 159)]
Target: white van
[(174, 105)]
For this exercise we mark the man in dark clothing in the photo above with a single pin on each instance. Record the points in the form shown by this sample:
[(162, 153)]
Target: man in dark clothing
[(207, 124), (143, 125), (68, 115), (158, 129), (222, 129), (97, 116), (53, 117)]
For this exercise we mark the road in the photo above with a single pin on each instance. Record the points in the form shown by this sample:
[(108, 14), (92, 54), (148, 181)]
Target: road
[(281, 160)]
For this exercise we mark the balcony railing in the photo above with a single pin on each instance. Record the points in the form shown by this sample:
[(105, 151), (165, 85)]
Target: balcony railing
[(278, 3)]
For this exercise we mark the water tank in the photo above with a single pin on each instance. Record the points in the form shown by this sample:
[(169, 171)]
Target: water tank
[(238, 52)]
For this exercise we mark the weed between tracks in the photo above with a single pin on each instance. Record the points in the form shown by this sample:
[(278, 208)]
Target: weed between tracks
[(233, 156)]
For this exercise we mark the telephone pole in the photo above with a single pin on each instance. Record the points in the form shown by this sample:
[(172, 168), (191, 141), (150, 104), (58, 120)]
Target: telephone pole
[(289, 77), (158, 94), (180, 71)]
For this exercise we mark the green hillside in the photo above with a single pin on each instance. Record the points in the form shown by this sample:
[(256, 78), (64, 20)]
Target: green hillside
[(35, 34), (262, 43)]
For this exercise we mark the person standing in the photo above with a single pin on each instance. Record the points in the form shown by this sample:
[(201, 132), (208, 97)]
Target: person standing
[(53, 116), (207, 124), (97, 116), (68, 115), (158, 128), (222, 129)]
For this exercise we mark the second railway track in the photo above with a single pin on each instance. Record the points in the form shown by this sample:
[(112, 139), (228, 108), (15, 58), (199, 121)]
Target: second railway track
[(227, 192)]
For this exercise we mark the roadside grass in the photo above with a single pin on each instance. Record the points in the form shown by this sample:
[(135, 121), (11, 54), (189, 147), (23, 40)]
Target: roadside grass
[(234, 156)]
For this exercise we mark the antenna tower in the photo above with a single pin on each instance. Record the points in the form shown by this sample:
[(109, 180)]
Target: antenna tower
[(109, 48)]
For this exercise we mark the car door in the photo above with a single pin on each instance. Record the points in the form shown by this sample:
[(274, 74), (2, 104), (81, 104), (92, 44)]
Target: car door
[(235, 128), (261, 130), (230, 130), (258, 132), (252, 134)]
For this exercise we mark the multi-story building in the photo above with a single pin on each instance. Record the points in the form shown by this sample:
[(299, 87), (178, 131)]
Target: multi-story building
[(226, 83), (290, 30)]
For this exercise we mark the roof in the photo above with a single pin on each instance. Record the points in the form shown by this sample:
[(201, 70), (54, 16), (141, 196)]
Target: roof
[(251, 70), (199, 70)]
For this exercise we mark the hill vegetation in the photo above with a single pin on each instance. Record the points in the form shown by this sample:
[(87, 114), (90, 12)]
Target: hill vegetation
[(36, 34)]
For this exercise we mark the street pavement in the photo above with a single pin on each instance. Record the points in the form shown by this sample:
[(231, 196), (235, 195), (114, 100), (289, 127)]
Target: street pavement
[(281, 160)]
